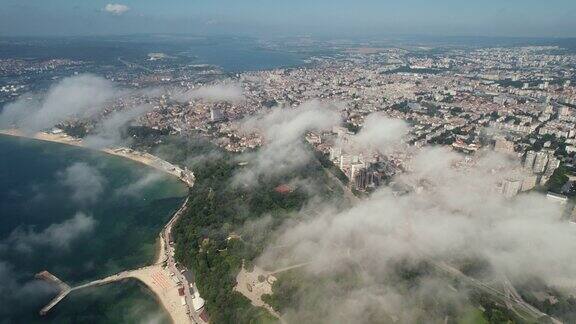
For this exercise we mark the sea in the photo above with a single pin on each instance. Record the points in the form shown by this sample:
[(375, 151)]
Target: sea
[(231, 54), (81, 215)]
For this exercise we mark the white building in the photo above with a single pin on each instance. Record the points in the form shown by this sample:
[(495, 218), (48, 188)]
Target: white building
[(540, 162), (529, 160), (511, 187)]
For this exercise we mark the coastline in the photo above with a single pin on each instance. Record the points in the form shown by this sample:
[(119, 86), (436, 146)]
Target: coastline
[(147, 159), (157, 277)]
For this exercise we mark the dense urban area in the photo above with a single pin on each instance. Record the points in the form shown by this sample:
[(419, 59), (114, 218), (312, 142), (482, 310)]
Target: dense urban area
[(518, 100)]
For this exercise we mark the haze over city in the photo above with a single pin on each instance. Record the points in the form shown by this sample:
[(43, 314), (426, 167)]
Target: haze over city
[(287, 162)]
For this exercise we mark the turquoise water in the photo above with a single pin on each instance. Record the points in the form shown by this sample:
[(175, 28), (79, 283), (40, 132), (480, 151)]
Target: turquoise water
[(81, 215)]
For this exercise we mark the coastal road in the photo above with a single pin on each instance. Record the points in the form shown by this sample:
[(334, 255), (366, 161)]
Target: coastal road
[(168, 251)]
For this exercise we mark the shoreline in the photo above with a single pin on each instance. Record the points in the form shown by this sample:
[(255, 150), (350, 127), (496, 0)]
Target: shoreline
[(157, 278), (184, 175)]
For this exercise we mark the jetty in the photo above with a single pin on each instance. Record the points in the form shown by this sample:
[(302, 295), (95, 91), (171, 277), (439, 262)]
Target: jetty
[(163, 277), (64, 290)]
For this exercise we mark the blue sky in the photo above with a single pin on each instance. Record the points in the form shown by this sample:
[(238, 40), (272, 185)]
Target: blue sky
[(555, 18)]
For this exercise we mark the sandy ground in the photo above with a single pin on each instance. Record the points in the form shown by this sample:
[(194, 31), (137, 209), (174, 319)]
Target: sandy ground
[(158, 279), (43, 136), (249, 285)]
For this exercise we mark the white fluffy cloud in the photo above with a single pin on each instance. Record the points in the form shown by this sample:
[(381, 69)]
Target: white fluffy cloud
[(86, 182), (16, 291), (283, 130), (216, 92), (379, 132), (85, 96), (451, 212), (116, 8), (109, 131), (135, 189), (74, 97), (58, 236)]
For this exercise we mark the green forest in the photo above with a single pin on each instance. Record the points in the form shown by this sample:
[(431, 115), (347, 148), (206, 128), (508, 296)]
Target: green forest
[(218, 208)]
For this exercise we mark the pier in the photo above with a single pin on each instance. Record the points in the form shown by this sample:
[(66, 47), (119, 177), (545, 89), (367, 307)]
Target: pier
[(65, 289)]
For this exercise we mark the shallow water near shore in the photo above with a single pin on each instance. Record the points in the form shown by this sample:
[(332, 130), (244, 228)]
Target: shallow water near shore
[(81, 215)]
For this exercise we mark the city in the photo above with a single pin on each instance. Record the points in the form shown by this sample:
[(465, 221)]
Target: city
[(327, 162), (517, 100)]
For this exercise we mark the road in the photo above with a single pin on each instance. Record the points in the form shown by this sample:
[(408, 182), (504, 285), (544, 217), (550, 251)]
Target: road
[(512, 294), (509, 296), (171, 264)]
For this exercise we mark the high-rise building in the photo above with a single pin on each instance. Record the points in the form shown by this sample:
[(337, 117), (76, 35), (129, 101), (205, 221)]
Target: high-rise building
[(511, 187), (529, 160), (540, 162), (339, 131), (374, 178), (355, 168), (564, 111), (335, 153), (551, 166), (529, 183), (358, 175), (345, 161)]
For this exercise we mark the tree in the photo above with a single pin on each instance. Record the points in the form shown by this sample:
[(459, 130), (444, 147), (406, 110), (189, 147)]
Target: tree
[(558, 179)]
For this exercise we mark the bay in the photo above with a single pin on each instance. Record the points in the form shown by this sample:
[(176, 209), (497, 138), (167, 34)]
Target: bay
[(81, 215)]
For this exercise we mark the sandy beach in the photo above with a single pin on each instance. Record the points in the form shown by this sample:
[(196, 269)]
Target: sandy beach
[(141, 157), (159, 280)]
